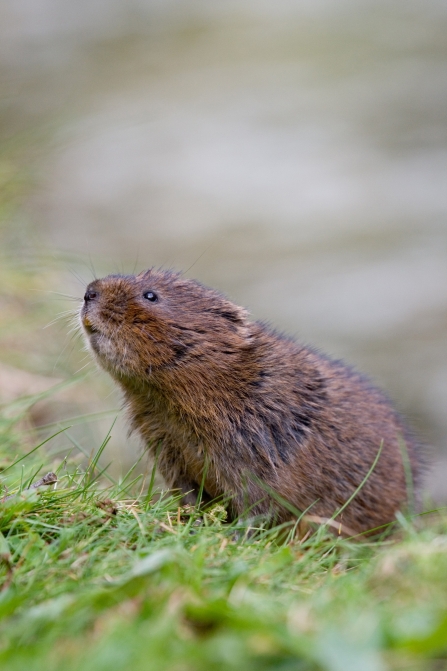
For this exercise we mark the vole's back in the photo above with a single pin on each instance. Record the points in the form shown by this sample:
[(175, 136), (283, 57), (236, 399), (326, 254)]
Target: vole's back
[(254, 415)]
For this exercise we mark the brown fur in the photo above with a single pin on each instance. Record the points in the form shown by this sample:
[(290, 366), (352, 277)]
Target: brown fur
[(207, 386)]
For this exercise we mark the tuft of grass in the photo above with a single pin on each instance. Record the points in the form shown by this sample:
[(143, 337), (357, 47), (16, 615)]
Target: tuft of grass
[(102, 574)]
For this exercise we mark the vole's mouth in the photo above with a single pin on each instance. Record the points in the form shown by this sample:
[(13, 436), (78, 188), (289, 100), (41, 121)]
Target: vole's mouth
[(88, 326)]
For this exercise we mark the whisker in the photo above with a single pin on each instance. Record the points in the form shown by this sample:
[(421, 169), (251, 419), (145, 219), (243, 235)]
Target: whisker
[(58, 293), (92, 268), (82, 367), (70, 340), (77, 276), (136, 264), (198, 258), (67, 314)]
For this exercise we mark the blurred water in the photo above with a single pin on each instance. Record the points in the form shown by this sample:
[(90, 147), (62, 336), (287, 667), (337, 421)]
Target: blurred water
[(295, 153)]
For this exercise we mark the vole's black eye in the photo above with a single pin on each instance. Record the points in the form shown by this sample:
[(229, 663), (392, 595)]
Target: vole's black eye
[(90, 295), (150, 296)]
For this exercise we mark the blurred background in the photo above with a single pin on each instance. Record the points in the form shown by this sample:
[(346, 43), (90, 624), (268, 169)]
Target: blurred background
[(291, 153)]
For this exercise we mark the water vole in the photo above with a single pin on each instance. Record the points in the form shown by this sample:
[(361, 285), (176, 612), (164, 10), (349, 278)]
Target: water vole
[(205, 385)]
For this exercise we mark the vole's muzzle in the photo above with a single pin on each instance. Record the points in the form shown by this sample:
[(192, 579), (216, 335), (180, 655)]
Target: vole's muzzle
[(91, 295), (105, 304)]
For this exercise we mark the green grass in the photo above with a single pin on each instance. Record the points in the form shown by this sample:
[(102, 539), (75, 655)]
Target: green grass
[(100, 575)]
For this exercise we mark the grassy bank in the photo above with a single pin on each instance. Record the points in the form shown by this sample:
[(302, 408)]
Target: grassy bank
[(99, 575)]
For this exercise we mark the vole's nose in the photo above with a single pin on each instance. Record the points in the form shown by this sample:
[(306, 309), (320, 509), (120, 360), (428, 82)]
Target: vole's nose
[(90, 295)]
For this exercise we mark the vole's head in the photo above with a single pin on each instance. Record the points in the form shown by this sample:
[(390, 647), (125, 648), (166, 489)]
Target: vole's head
[(159, 321)]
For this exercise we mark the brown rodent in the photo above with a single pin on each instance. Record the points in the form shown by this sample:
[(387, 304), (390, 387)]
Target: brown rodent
[(248, 412)]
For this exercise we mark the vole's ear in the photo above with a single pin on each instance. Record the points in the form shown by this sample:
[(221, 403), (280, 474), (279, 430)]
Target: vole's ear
[(234, 314)]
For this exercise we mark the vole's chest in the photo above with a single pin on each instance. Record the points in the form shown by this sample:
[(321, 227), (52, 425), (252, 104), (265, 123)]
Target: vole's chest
[(163, 424), (190, 449)]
